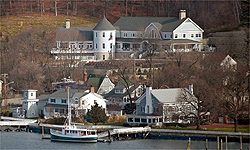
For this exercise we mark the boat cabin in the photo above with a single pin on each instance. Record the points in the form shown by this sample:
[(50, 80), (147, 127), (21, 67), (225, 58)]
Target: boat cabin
[(78, 132)]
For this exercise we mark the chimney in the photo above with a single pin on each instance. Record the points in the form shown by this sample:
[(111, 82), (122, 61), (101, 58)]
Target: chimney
[(148, 106), (191, 88), (67, 23), (92, 89), (85, 75), (182, 14)]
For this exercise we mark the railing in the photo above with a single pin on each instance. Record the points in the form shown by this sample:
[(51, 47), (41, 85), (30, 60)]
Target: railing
[(125, 131)]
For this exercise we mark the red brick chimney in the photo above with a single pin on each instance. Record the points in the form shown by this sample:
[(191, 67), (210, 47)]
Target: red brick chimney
[(85, 75), (92, 89)]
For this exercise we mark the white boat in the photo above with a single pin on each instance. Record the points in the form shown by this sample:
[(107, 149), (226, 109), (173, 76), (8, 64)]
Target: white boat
[(73, 133)]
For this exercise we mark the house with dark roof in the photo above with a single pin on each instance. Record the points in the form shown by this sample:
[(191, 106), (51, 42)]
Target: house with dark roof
[(102, 85), (162, 106), (120, 95), (126, 37), (56, 104)]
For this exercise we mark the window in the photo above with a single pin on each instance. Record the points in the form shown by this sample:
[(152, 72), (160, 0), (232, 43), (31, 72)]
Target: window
[(53, 100), (165, 35), (111, 36), (103, 34), (171, 36), (192, 35), (96, 34), (197, 35), (103, 57), (103, 45), (56, 109), (80, 45), (31, 94), (137, 119), (184, 35), (118, 45), (125, 46), (133, 35), (176, 36), (110, 45), (125, 34), (63, 100)]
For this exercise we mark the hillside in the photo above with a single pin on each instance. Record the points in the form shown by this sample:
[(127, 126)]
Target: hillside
[(11, 26), (208, 14)]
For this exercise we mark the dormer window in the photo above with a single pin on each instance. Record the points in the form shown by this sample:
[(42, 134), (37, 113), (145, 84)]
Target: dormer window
[(53, 100), (125, 34), (184, 35)]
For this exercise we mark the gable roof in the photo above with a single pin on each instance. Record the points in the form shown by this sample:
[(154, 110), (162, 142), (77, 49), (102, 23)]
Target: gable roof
[(63, 93), (104, 24), (171, 95), (140, 23), (74, 34), (166, 95), (94, 82)]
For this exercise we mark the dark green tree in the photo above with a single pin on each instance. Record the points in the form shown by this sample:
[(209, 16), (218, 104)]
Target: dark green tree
[(96, 115)]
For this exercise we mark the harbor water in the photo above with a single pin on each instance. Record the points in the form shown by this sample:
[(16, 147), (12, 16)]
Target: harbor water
[(27, 141)]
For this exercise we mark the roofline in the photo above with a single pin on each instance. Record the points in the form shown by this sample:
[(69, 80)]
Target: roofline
[(192, 22)]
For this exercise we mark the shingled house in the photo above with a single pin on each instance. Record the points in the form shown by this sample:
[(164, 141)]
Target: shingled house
[(126, 37)]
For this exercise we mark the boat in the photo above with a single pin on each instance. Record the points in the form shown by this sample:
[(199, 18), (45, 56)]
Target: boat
[(72, 133)]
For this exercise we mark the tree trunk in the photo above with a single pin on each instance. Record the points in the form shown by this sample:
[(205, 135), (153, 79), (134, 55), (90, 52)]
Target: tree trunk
[(30, 5), (132, 8), (55, 8), (236, 122), (10, 7), (126, 8), (106, 8), (93, 7)]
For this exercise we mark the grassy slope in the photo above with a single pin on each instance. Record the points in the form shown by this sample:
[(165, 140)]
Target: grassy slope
[(13, 25)]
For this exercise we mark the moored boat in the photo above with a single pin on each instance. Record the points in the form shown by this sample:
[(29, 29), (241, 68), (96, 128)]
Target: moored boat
[(73, 133)]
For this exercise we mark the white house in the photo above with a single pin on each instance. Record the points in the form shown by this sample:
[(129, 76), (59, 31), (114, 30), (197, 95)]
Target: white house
[(56, 104), (161, 106), (30, 104), (126, 37), (228, 63), (89, 100)]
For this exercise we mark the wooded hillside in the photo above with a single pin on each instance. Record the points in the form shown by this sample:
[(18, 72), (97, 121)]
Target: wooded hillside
[(222, 14)]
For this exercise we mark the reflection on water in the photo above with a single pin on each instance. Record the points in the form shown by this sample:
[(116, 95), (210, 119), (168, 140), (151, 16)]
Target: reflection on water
[(24, 140)]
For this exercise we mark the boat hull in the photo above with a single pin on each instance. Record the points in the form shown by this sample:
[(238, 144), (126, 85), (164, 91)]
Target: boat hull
[(84, 139)]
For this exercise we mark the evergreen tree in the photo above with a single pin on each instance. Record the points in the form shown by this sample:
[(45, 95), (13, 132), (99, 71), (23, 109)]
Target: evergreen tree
[(97, 114)]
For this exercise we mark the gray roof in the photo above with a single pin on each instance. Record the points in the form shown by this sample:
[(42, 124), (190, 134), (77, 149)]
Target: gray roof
[(184, 41), (43, 97), (74, 34), (169, 95), (63, 93), (164, 24), (104, 24), (166, 95)]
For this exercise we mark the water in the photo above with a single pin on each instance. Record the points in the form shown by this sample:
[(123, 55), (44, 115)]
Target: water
[(28, 141)]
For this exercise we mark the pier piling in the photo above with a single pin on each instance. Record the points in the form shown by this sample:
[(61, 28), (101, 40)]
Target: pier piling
[(218, 143), (206, 144), (221, 144)]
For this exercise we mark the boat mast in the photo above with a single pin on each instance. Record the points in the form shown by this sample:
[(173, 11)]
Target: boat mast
[(69, 109)]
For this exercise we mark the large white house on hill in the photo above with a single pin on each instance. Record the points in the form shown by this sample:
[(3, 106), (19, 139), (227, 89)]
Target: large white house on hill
[(126, 37)]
